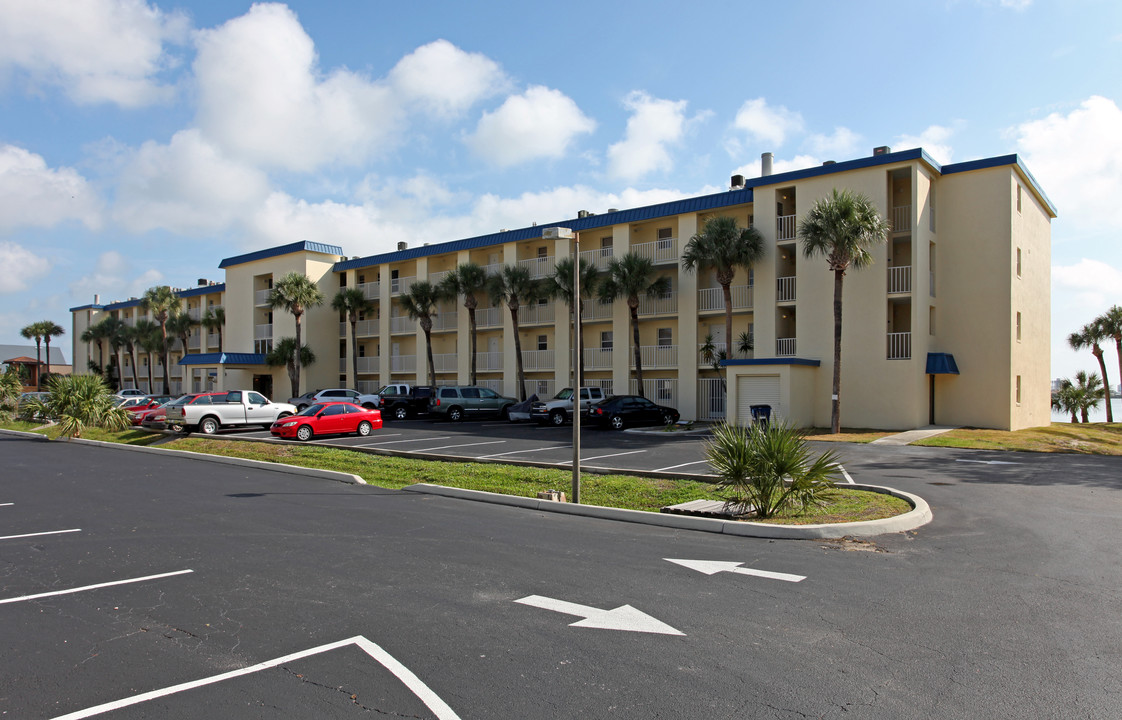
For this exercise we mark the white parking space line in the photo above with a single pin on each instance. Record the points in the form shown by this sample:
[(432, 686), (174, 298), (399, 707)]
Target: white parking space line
[(48, 532), (5, 601), (445, 447), (673, 467), (519, 452), (600, 457), (6, 504), (394, 442), (848, 479), (404, 674)]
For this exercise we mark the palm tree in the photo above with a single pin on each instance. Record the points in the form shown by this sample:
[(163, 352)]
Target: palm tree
[(50, 329), (1111, 322), (97, 333), (353, 302), (214, 320), (629, 277), (150, 339), (723, 246), (284, 355), (160, 302), (1066, 399), (712, 356), (468, 280), (843, 228), (129, 338), (559, 286), (1090, 335), (35, 330), (515, 286), (295, 293), (115, 335), (1088, 391), (179, 325), (419, 304)]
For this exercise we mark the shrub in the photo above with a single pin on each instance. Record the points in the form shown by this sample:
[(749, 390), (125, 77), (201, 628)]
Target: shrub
[(768, 468), (78, 402)]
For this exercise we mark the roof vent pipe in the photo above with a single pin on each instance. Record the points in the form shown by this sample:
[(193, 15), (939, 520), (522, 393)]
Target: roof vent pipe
[(97, 299), (765, 164), (402, 245), (736, 182)]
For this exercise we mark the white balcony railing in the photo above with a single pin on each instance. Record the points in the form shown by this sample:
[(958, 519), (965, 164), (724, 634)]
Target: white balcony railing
[(899, 346), (436, 277), (597, 258), (539, 267), (663, 391), (535, 314), (368, 365), (212, 340), (655, 356), (488, 317), (543, 388), (785, 227), (263, 332), (366, 328), (785, 289), (596, 310), (664, 250), (195, 314), (902, 218), (718, 348), (403, 363), (445, 362), (400, 285), (714, 298), (598, 358), (493, 269), (403, 324), (261, 297), (658, 304), (444, 321), (712, 399), (537, 359), (370, 290), (785, 347), (193, 342), (900, 279), (488, 361)]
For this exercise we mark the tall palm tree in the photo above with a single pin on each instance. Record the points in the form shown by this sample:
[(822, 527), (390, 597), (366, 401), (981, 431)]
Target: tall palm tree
[(1089, 336), (51, 329), (214, 320), (842, 227), (353, 302), (514, 286), (35, 330), (629, 277), (115, 336), (149, 338), (419, 304), (723, 246), (129, 338), (284, 355), (1088, 391), (295, 293), (1111, 322), (179, 326), (97, 333), (1066, 399), (559, 286), (468, 280), (160, 302)]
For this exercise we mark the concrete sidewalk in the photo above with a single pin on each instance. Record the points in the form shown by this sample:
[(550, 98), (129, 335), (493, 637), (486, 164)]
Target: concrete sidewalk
[(909, 437)]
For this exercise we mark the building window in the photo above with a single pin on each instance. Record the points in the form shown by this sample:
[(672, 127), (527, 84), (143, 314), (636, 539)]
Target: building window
[(343, 280), (665, 337), (665, 235), (606, 244), (1018, 389), (361, 279), (543, 342), (362, 351), (606, 340), (543, 252), (1018, 197), (931, 320), (1018, 262), (931, 206)]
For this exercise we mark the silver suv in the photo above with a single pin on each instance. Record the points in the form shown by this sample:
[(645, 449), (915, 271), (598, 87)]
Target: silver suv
[(460, 401)]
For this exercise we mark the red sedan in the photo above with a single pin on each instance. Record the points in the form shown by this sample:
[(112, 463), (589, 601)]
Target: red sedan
[(337, 418)]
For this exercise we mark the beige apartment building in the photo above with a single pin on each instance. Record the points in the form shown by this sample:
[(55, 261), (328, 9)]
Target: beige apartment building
[(949, 325)]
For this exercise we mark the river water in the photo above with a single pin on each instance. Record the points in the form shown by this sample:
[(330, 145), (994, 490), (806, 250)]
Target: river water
[(1096, 415)]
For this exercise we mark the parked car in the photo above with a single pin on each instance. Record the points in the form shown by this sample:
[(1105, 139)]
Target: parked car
[(401, 402), (558, 410), (520, 412), (620, 411), (333, 418), (335, 395), (303, 400), (157, 419), (209, 412), (27, 397), (138, 415), (129, 402), (459, 401), (149, 402), (131, 392)]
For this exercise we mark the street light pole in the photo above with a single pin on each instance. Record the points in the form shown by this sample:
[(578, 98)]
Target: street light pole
[(562, 233)]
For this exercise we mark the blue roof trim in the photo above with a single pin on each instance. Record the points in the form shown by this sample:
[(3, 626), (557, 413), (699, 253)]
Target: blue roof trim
[(998, 162), (773, 361), (122, 305), (87, 307), (223, 359), (202, 290), (941, 364), (300, 246), (192, 292)]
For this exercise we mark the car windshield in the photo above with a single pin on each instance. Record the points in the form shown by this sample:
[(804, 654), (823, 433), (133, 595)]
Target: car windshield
[(564, 394), (312, 410)]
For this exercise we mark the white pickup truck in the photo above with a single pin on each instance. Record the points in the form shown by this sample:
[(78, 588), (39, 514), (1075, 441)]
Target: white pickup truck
[(237, 408), (559, 409)]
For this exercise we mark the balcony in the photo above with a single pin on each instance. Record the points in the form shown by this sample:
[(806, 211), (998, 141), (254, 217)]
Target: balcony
[(785, 289), (785, 347), (900, 279), (212, 340), (368, 365), (785, 228), (489, 362), (714, 298), (899, 346), (597, 258), (902, 219), (493, 269), (193, 342), (658, 304), (444, 321), (403, 363), (446, 362), (263, 332), (436, 277), (195, 314), (597, 358), (663, 250), (656, 356), (539, 267), (596, 310), (402, 324), (400, 285), (535, 314), (261, 297), (488, 317), (663, 391), (537, 359), (370, 290)]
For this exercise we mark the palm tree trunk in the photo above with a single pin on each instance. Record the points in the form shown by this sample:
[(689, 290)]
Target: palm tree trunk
[(132, 357), (38, 365), (471, 327), (1098, 353), (520, 373), (354, 346), (635, 341), (47, 339), (427, 327), (151, 382), (164, 355), (296, 358), (835, 412), (726, 290)]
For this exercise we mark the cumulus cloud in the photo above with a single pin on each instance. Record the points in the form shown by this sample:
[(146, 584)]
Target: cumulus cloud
[(653, 126), (262, 98), (1090, 285), (95, 50), (540, 123), (31, 194), (113, 270), (446, 80), (934, 140), (842, 144), (187, 187), (22, 267), (778, 165), (1077, 158), (283, 219), (767, 125)]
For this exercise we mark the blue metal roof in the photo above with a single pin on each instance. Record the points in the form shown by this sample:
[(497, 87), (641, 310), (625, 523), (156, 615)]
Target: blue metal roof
[(223, 359), (301, 246), (202, 290), (941, 364), (123, 304), (192, 292), (87, 307)]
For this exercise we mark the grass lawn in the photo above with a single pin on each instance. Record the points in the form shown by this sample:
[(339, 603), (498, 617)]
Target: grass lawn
[(853, 435), (1089, 439)]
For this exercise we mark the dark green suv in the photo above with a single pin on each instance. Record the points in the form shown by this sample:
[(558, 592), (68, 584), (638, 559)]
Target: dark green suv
[(457, 402)]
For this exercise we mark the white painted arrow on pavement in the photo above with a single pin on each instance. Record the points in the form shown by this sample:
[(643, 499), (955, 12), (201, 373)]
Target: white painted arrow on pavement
[(712, 567), (624, 617)]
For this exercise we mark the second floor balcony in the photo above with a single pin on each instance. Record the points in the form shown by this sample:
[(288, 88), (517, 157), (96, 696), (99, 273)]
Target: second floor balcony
[(663, 250), (598, 358), (263, 332), (658, 304), (900, 279), (539, 267), (655, 356), (714, 298), (785, 289)]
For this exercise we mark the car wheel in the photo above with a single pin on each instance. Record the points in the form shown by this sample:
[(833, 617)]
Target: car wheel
[(455, 414), (301, 407), (176, 428), (304, 433), (283, 415), (557, 417), (208, 426), (401, 413), (504, 414), (616, 421), (668, 419), (365, 428)]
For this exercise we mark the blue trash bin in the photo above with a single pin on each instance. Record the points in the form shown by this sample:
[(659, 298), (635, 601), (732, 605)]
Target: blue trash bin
[(761, 414)]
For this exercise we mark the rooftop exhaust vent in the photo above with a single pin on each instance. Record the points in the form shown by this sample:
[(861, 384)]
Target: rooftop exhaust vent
[(736, 182), (402, 245), (882, 150), (584, 213), (765, 164)]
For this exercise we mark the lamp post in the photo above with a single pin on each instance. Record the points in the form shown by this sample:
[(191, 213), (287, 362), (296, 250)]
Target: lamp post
[(564, 233)]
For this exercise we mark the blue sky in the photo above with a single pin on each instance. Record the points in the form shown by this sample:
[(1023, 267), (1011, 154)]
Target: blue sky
[(141, 143)]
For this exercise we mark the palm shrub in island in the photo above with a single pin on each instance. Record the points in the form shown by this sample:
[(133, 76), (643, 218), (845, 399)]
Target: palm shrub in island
[(768, 469), (11, 387), (78, 402)]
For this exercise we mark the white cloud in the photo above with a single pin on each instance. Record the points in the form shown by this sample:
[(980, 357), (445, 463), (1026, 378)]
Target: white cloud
[(284, 219), (262, 98), (765, 124), (31, 194), (841, 145), (96, 50), (1077, 158), (654, 124), (114, 272), (1015, 4), (21, 267), (540, 123), (445, 79), (933, 140), (187, 187), (1090, 286), (778, 165)]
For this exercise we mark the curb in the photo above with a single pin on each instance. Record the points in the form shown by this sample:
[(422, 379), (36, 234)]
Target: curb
[(220, 459), (918, 516)]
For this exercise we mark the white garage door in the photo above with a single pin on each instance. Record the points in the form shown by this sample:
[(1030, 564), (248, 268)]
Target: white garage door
[(757, 390)]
